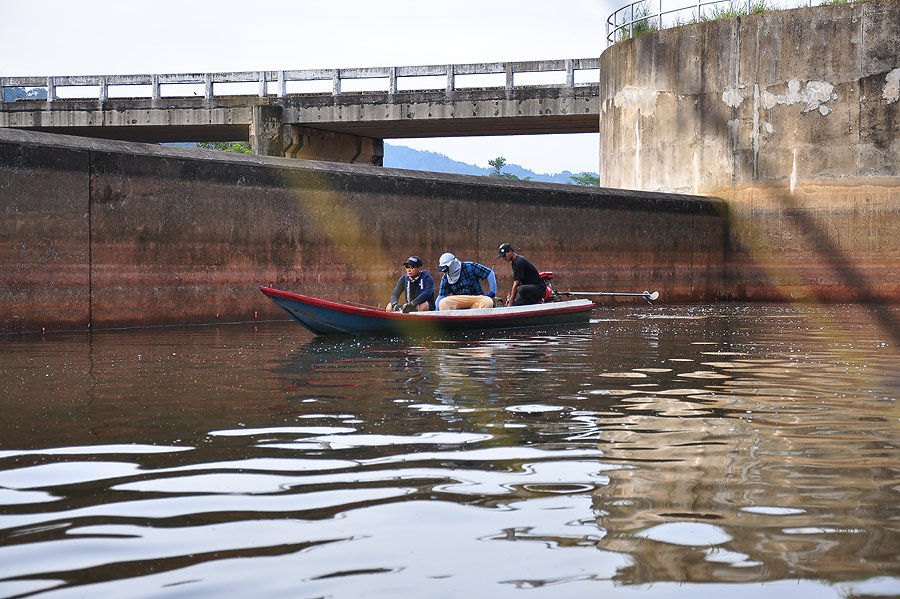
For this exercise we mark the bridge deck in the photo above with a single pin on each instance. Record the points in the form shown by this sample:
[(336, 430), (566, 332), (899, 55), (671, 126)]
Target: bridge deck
[(387, 112)]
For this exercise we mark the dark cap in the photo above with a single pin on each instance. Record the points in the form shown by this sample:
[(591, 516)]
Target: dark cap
[(413, 261), (504, 249)]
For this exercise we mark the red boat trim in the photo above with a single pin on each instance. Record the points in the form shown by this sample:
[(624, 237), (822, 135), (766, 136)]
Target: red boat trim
[(425, 316)]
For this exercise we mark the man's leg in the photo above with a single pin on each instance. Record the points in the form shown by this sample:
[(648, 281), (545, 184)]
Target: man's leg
[(454, 302), (461, 302), (529, 294), (482, 301)]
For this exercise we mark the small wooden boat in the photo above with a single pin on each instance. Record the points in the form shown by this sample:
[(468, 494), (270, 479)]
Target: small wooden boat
[(333, 318)]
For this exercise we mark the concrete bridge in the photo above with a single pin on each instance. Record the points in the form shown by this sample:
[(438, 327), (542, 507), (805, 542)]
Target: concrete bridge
[(340, 115)]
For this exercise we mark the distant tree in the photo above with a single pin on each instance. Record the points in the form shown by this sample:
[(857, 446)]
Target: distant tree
[(586, 179), (239, 147), (497, 164)]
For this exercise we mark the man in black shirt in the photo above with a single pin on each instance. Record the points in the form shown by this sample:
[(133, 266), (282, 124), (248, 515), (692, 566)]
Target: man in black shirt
[(528, 287)]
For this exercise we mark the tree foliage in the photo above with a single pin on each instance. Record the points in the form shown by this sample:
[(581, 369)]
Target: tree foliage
[(586, 179), (497, 164), (239, 147)]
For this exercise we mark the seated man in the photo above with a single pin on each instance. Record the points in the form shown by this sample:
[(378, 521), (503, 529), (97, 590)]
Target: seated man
[(461, 284), (417, 285), (528, 287)]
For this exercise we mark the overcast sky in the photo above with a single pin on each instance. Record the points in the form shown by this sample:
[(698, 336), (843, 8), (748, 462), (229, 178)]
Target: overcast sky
[(105, 37)]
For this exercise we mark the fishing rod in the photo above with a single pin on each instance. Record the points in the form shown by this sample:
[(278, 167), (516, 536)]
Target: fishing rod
[(650, 297)]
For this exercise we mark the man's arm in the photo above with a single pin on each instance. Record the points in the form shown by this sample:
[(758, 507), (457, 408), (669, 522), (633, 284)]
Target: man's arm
[(427, 290), (443, 291), (512, 294), (398, 289), (492, 282), (483, 272)]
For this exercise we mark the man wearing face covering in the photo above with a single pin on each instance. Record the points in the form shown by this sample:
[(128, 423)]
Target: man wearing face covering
[(461, 284)]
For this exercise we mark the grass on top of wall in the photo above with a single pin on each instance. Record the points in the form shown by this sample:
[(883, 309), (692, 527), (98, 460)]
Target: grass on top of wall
[(644, 20)]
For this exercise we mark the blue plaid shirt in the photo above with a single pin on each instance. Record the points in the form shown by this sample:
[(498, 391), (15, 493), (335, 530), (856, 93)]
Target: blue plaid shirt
[(469, 283)]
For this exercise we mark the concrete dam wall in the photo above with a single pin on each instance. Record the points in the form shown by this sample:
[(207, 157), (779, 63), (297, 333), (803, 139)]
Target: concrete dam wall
[(792, 117), (810, 94), (100, 234)]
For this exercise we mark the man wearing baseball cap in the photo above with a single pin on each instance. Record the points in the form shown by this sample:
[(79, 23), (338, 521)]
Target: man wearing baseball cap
[(418, 286), (528, 287)]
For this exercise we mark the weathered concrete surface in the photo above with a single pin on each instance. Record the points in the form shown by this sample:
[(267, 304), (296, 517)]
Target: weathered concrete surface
[(44, 238), (267, 130), (830, 243), (796, 95), (455, 113), (793, 117), (106, 233), (135, 119), (315, 144), (429, 113)]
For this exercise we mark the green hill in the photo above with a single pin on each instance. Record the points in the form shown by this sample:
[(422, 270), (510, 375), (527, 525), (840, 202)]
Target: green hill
[(396, 156)]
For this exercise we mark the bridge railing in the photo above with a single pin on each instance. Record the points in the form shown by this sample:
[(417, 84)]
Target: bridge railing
[(645, 16), (279, 83)]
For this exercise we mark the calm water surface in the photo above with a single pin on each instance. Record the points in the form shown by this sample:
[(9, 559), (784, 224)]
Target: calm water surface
[(662, 451)]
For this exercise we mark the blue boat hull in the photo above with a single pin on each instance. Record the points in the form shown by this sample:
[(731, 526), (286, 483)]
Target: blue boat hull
[(323, 317)]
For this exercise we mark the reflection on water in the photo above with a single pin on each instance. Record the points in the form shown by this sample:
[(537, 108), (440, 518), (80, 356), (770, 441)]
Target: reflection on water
[(748, 448)]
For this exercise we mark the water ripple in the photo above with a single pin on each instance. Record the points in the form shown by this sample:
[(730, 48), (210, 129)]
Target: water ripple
[(677, 450)]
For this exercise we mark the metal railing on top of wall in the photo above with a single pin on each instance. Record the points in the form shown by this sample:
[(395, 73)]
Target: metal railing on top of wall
[(387, 76), (639, 17)]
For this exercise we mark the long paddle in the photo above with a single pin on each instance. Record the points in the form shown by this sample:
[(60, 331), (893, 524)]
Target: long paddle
[(646, 294), (359, 305)]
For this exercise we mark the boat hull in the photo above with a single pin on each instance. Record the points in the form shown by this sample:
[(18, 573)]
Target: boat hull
[(323, 317)]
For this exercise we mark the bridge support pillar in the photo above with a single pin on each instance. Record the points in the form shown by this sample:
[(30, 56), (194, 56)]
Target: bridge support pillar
[(266, 130), (315, 144)]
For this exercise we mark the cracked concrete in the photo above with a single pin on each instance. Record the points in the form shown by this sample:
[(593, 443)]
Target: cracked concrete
[(642, 100), (891, 91), (813, 96)]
